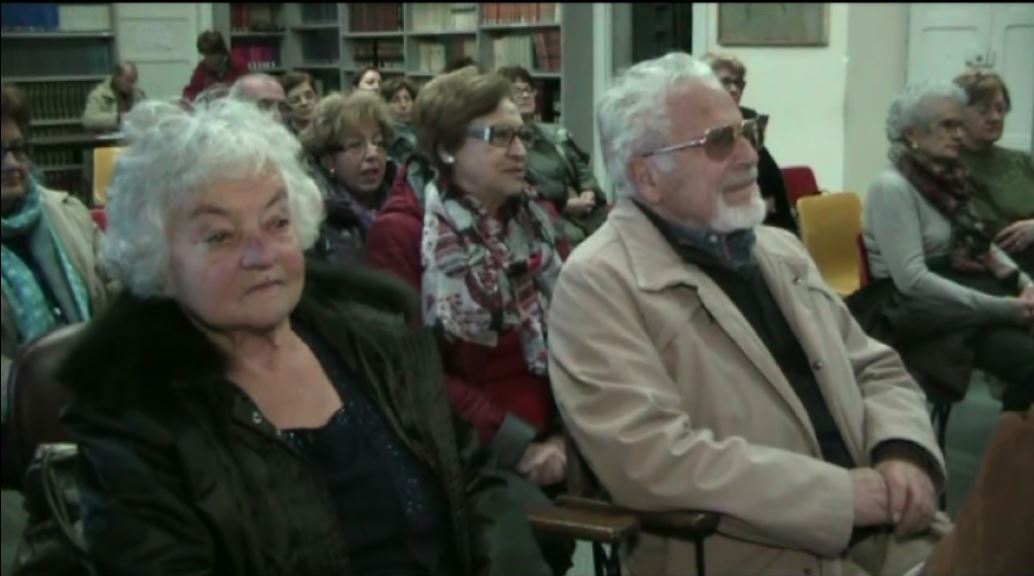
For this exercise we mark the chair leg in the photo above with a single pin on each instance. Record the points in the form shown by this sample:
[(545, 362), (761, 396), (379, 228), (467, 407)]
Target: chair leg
[(606, 564), (698, 543)]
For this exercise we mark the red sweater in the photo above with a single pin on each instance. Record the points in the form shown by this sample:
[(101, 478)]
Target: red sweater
[(485, 384), (204, 78)]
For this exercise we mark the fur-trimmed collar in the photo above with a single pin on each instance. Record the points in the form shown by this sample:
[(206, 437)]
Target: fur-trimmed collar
[(140, 348)]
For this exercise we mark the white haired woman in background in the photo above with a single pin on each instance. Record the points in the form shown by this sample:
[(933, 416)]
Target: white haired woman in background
[(946, 297), (238, 414)]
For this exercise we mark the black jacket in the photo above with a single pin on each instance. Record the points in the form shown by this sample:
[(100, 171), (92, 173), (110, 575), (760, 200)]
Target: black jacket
[(770, 181), (182, 475)]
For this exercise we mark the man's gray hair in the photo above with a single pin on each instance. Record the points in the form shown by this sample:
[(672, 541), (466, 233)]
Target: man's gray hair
[(173, 155), (633, 113), (239, 92), (912, 108)]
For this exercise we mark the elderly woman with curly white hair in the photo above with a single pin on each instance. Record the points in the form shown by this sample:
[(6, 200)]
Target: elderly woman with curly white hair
[(945, 296), (239, 412)]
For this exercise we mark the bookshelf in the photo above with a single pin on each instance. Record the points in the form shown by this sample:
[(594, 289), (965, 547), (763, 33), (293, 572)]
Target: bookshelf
[(332, 41), (57, 53)]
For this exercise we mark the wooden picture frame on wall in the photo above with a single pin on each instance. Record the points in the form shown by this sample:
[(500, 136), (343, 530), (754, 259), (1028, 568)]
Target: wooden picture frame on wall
[(781, 24)]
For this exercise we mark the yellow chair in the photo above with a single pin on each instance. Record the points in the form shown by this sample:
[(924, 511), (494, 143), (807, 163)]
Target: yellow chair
[(830, 225), (103, 170)]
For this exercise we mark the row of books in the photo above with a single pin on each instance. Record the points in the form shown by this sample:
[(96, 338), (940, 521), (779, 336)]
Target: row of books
[(434, 56), (321, 47), (57, 100), (436, 17), (45, 156), (539, 51), (255, 18), (388, 55), (70, 57), (70, 181), (375, 17), (50, 17), (319, 13), (258, 56), (520, 12)]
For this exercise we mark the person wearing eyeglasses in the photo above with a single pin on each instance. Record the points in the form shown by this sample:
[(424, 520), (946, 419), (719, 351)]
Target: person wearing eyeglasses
[(701, 362), (732, 73), (1005, 177), (557, 167), (302, 97), (264, 91), (944, 294), (485, 255), (347, 143), (52, 274)]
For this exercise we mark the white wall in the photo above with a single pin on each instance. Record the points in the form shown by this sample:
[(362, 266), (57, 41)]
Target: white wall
[(877, 69), (827, 104), (803, 90)]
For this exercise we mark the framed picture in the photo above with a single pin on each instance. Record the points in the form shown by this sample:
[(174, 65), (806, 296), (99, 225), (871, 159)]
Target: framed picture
[(786, 24)]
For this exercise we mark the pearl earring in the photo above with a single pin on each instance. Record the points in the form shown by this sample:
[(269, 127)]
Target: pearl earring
[(450, 160)]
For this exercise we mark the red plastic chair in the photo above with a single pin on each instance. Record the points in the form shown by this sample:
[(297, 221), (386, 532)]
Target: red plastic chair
[(800, 182), (100, 218)]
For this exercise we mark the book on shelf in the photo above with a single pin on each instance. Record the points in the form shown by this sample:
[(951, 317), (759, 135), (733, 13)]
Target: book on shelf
[(537, 51), (258, 57), (29, 17), (255, 18), (365, 17), (322, 13), (435, 55), (439, 17), (496, 13), (57, 100)]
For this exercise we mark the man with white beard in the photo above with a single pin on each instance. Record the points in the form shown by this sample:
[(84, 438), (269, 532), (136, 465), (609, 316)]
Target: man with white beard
[(700, 361)]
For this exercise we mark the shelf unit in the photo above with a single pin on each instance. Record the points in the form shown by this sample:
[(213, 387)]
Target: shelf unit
[(57, 60), (328, 41)]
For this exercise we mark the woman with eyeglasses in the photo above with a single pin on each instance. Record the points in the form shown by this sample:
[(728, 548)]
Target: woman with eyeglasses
[(945, 296), (557, 167), (732, 73), (1005, 177), (484, 254), (51, 271), (300, 91), (347, 142)]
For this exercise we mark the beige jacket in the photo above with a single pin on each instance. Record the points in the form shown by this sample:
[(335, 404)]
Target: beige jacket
[(677, 404), (101, 112), (81, 239)]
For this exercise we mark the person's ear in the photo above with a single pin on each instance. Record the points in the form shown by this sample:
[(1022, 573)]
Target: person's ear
[(327, 161), (643, 176)]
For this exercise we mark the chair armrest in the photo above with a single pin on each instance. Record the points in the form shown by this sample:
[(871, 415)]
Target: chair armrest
[(607, 527), (686, 525)]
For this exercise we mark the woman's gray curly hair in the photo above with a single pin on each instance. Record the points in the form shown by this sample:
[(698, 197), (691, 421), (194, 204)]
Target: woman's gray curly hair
[(911, 108), (174, 154)]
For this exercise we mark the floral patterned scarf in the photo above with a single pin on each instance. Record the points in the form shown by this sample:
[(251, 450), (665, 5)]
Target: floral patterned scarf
[(950, 189), (483, 276)]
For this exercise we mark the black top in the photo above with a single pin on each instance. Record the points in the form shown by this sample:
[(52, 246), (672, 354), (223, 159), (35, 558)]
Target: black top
[(746, 287), (393, 511), (770, 182)]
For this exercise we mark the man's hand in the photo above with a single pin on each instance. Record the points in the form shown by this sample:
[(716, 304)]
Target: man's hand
[(912, 496), (870, 497), (1017, 236), (545, 463)]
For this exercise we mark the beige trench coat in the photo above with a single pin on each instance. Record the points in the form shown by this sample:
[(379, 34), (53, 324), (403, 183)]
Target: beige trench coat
[(677, 404)]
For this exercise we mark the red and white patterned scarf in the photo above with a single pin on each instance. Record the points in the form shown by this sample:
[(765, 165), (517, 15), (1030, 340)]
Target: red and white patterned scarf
[(482, 276)]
